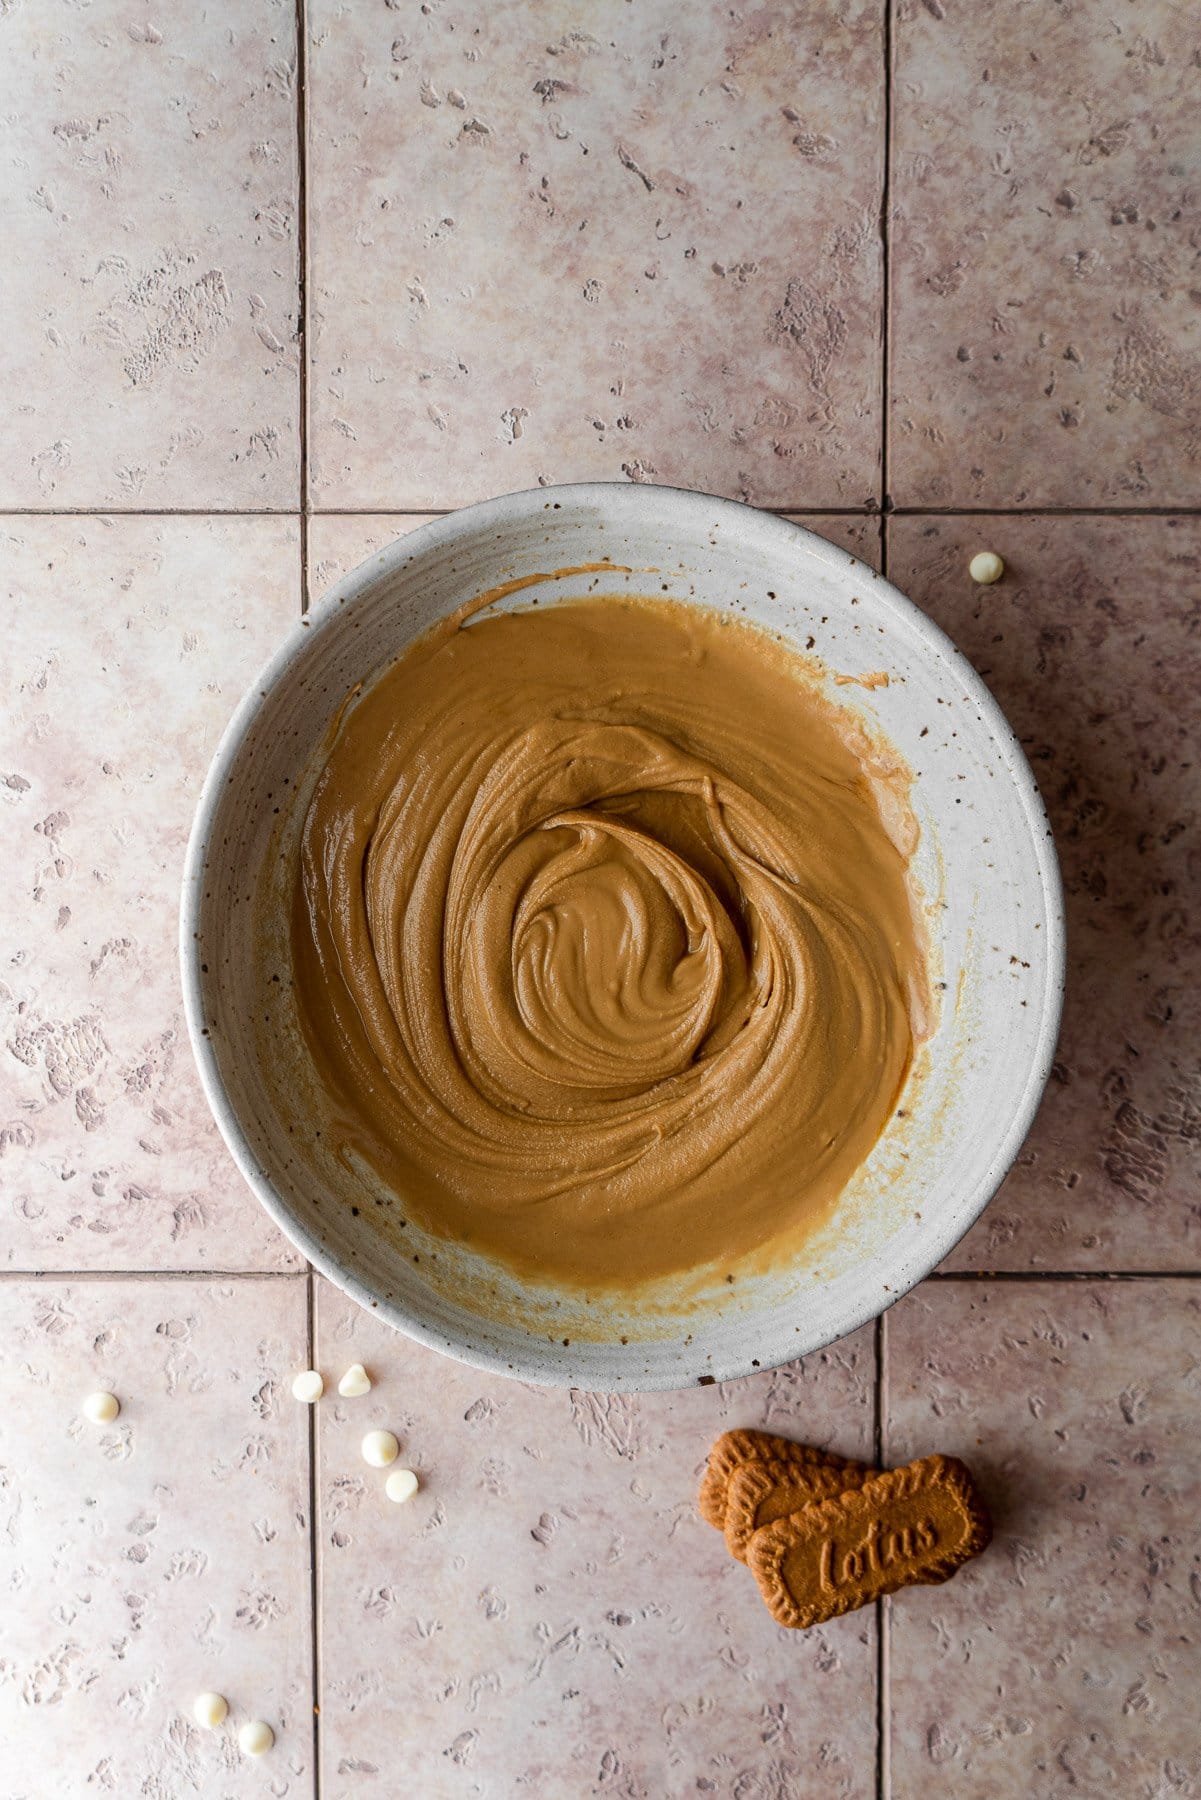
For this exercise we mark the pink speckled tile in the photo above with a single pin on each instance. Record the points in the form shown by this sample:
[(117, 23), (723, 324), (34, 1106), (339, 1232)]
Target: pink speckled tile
[(338, 541), (860, 534), (553, 243), (549, 1615), (1091, 642), (1045, 282), (1066, 1661), (167, 1553), (149, 282), (128, 643)]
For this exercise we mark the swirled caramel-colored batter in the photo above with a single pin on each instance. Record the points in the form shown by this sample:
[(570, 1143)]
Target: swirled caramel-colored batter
[(602, 946)]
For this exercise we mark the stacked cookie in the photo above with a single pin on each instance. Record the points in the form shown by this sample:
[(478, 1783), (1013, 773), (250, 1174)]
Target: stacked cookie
[(823, 1535)]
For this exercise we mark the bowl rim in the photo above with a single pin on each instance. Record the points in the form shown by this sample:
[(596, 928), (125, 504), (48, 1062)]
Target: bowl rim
[(638, 500)]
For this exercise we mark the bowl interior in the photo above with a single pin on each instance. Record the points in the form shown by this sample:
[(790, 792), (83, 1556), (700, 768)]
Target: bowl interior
[(986, 868)]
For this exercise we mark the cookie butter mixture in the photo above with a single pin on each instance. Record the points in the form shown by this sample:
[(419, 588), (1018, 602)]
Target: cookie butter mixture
[(603, 949)]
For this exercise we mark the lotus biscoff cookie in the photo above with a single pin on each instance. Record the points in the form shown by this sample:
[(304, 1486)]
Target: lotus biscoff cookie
[(759, 1493), (733, 1448), (916, 1524)]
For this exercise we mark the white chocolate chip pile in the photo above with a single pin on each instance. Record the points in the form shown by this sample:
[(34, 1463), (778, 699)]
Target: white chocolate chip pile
[(986, 567), (256, 1737), (101, 1408), (209, 1710), (355, 1383), (380, 1448), (401, 1485)]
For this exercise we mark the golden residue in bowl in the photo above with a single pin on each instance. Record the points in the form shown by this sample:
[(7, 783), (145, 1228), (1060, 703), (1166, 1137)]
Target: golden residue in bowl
[(603, 944)]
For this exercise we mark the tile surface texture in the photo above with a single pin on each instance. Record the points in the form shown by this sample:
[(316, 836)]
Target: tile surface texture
[(148, 175), (549, 1615), (1091, 644), (1045, 266), (167, 1553), (547, 243), (1066, 1660), (128, 643), (551, 243)]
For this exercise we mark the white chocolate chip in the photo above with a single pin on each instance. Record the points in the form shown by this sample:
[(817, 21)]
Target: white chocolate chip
[(380, 1448), (355, 1382), (209, 1710), (308, 1386), (401, 1485), (256, 1737), (986, 567), (101, 1408)]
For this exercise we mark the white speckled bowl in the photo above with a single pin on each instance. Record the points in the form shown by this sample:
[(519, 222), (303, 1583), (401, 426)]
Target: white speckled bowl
[(986, 864)]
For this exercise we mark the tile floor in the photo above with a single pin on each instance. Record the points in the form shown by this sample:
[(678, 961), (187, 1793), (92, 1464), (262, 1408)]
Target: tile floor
[(274, 300)]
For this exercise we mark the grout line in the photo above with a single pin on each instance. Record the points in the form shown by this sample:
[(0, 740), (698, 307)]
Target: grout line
[(885, 503), (1048, 512), (886, 256), (440, 512), (806, 508), (152, 1274), (314, 1542), (147, 512), (939, 1275), (884, 1694), (884, 1604), (878, 1352), (878, 1403), (1064, 1275), (817, 511), (302, 288)]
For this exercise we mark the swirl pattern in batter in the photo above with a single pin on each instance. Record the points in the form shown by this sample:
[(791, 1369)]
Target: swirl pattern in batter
[(604, 952)]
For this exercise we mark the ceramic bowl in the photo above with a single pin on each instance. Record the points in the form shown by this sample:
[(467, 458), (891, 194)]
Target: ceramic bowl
[(986, 868)]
